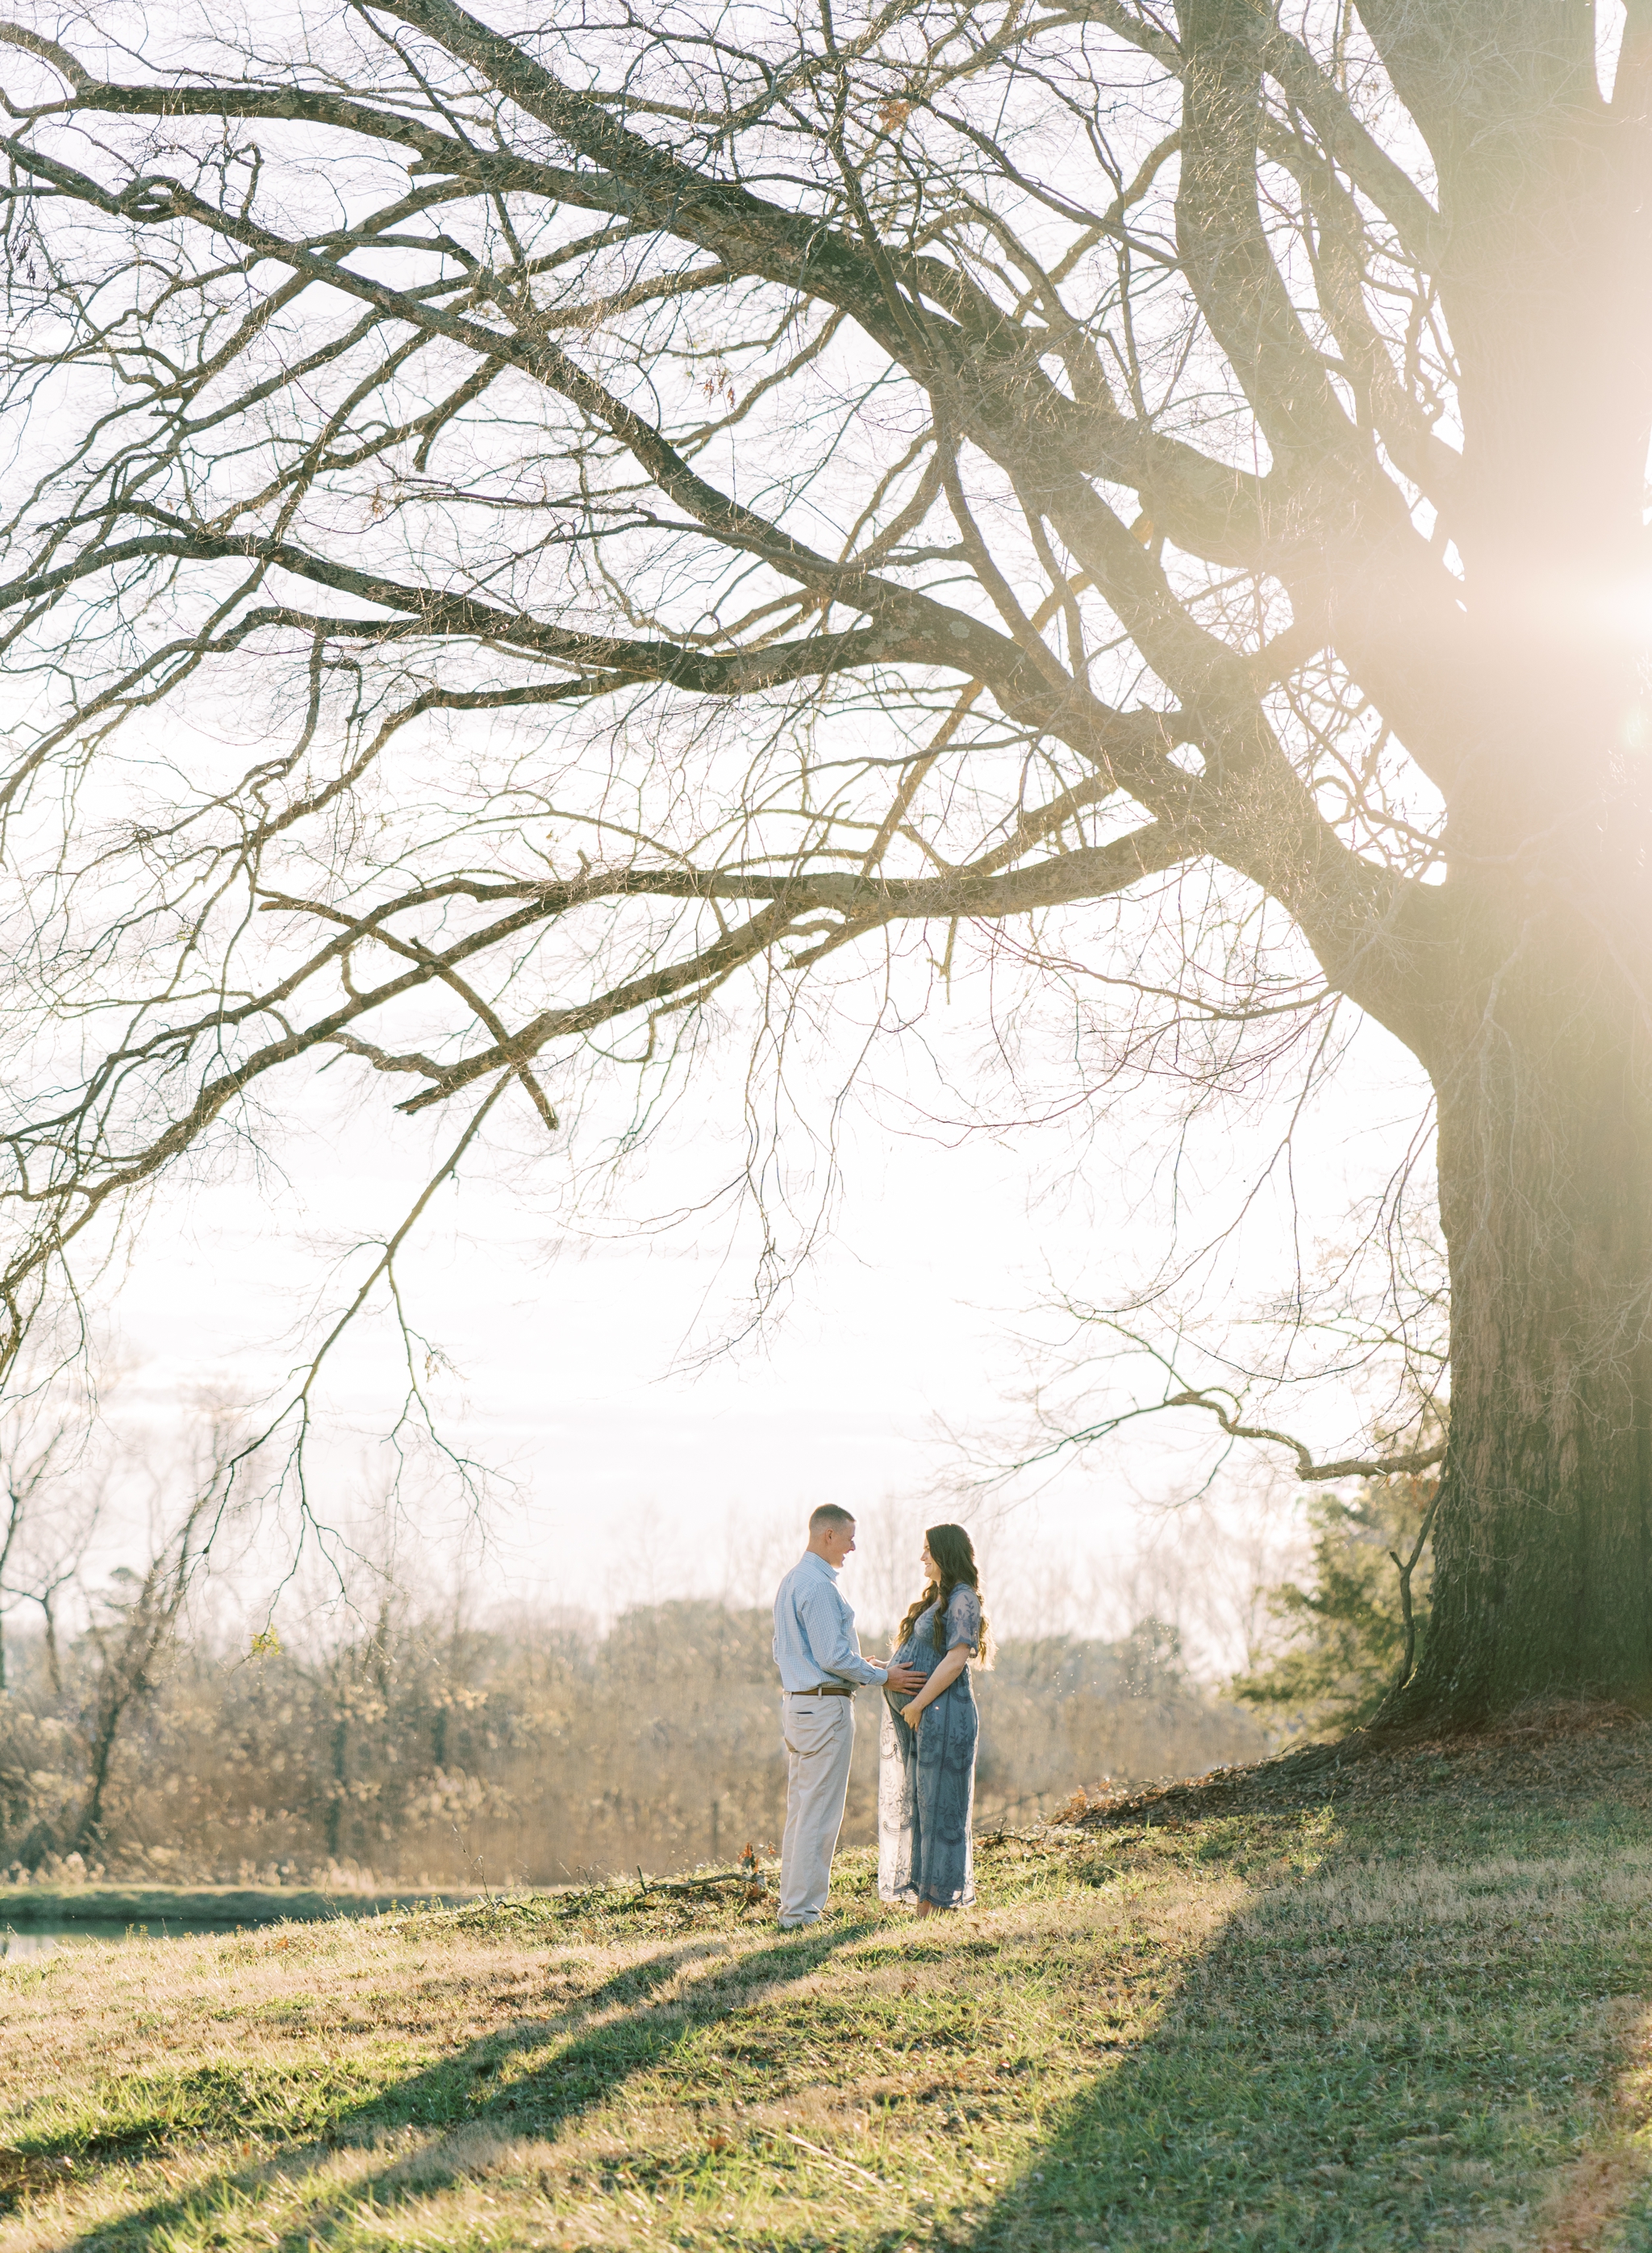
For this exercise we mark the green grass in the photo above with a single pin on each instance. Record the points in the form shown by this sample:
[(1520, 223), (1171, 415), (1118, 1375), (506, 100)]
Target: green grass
[(1406, 2016)]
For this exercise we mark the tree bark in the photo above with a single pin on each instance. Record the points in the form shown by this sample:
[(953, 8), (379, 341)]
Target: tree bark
[(1542, 1572)]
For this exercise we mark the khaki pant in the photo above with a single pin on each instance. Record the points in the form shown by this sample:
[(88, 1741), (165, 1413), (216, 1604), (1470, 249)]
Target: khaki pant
[(818, 1734)]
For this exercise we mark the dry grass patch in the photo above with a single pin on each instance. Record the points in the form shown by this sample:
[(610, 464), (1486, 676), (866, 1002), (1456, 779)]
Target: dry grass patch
[(1301, 2028)]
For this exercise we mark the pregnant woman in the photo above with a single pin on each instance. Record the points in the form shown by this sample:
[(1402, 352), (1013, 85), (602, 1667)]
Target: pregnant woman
[(926, 1782)]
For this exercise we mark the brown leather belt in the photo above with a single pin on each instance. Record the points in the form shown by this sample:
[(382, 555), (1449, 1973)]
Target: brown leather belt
[(824, 1691)]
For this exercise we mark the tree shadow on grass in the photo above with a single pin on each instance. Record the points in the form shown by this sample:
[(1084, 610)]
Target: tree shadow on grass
[(472, 2089), (1323, 2080), (1387, 2054)]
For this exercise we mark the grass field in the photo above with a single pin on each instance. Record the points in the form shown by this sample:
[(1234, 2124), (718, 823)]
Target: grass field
[(1400, 2005)]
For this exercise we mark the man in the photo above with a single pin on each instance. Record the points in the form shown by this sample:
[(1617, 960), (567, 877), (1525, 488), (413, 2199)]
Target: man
[(819, 1654)]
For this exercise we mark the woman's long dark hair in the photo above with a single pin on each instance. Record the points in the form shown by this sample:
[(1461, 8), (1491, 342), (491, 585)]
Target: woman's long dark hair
[(954, 1552)]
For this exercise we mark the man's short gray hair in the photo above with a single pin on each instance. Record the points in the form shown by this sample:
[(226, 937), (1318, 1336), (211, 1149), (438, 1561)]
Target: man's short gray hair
[(830, 1513)]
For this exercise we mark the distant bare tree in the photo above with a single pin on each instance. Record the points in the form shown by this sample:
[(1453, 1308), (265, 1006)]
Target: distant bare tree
[(26, 1467), (521, 526), (54, 1472), (134, 1621)]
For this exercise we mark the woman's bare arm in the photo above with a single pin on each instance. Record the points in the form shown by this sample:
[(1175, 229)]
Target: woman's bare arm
[(942, 1678)]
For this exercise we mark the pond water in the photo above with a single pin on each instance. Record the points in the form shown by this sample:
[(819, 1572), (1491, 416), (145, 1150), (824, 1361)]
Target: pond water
[(46, 1939)]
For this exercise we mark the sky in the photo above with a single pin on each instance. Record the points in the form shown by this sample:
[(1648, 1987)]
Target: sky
[(629, 1465)]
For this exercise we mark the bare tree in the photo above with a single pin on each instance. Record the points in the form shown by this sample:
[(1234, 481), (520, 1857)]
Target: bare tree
[(134, 1621), (516, 530), (34, 1460), (52, 1517), (54, 1477)]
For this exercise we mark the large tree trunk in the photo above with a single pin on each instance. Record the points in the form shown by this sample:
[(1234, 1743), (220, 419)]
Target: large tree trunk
[(1543, 1583), (1541, 1048)]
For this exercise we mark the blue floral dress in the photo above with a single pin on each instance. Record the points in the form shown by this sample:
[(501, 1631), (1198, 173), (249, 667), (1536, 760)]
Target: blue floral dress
[(926, 1778)]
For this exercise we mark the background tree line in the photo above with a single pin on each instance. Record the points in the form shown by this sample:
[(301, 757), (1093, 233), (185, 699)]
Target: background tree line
[(377, 1732), (532, 1749)]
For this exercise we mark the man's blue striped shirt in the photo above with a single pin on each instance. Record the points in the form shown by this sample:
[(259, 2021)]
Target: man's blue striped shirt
[(814, 1637)]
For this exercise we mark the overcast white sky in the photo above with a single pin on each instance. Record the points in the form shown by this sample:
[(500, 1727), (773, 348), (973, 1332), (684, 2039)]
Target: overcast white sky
[(638, 1474)]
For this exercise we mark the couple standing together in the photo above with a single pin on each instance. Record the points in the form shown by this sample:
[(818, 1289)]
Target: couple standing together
[(926, 1777)]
